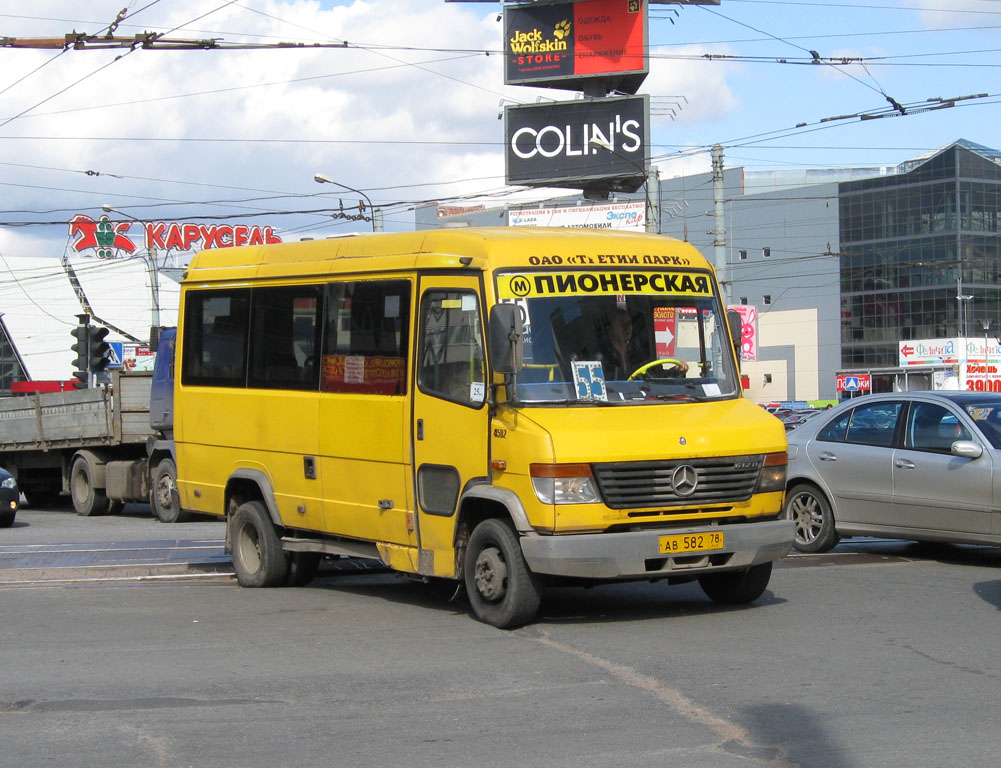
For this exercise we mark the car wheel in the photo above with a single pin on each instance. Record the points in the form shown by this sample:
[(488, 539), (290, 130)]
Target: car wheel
[(809, 509), (737, 587), (258, 558), (6, 520), (502, 591)]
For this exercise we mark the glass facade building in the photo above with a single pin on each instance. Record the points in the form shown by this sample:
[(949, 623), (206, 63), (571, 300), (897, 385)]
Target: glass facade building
[(920, 253)]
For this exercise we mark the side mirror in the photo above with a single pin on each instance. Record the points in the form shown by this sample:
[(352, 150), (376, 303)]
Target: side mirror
[(505, 338), (967, 449), (735, 324)]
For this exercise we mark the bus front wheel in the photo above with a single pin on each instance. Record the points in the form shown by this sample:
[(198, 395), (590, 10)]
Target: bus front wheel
[(258, 558), (502, 591)]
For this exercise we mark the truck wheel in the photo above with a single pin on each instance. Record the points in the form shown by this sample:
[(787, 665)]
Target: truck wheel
[(162, 494), (87, 500), (737, 587), (810, 510), (258, 558), (302, 568), (502, 591)]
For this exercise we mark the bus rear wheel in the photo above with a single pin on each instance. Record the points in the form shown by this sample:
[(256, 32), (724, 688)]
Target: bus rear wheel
[(502, 591), (258, 558)]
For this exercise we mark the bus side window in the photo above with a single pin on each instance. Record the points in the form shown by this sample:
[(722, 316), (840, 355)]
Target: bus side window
[(451, 356), (366, 335), (283, 339), (215, 338)]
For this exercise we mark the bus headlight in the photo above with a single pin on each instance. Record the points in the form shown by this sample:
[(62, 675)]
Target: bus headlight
[(773, 473), (563, 483)]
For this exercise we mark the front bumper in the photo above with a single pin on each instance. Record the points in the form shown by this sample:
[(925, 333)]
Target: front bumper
[(636, 554)]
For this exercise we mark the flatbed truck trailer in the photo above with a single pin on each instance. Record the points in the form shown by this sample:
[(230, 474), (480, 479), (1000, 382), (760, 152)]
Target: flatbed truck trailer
[(91, 444)]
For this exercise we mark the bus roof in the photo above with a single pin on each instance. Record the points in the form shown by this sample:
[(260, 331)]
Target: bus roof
[(486, 247)]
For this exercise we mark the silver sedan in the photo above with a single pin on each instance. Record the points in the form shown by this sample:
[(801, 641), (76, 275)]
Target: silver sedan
[(923, 466)]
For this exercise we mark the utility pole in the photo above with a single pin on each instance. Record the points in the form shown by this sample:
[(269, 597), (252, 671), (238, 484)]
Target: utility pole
[(719, 229), (653, 200)]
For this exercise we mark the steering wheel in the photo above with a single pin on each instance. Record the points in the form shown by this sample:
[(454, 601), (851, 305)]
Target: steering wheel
[(642, 370)]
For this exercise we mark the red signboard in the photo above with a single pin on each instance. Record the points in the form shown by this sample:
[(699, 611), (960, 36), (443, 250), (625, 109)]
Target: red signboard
[(108, 238), (564, 45), (853, 382)]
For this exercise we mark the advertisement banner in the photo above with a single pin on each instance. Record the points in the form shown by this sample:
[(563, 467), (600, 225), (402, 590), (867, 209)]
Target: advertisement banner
[(620, 216), (748, 331), (571, 143), (564, 45)]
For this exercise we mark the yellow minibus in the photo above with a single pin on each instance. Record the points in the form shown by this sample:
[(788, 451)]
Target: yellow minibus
[(503, 407)]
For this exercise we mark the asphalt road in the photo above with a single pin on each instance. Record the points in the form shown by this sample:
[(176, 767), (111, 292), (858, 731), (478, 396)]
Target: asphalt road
[(878, 654)]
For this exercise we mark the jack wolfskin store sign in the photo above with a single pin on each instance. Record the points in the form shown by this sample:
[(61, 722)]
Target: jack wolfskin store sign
[(559, 45), (571, 143)]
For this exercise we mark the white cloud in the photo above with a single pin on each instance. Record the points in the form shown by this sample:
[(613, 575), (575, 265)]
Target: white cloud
[(703, 84)]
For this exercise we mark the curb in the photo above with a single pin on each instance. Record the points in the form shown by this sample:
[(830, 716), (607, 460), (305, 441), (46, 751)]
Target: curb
[(117, 573)]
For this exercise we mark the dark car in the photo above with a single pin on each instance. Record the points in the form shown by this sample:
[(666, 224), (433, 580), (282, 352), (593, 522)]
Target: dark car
[(799, 418), (9, 498), (910, 465)]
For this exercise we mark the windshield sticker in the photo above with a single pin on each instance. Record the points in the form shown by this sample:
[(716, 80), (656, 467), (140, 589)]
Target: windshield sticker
[(589, 380), (520, 286)]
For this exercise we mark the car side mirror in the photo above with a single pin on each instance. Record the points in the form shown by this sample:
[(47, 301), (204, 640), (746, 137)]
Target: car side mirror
[(967, 449), (506, 343), (736, 324)]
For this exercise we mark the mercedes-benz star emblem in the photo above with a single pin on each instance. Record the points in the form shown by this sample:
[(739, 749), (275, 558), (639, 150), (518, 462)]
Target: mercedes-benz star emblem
[(684, 480)]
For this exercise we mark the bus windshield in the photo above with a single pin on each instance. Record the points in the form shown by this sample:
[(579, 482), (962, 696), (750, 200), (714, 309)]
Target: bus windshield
[(622, 349)]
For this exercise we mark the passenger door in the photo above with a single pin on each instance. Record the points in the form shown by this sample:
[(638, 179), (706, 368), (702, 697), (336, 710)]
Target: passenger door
[(932, 489), (450, 417), (854, 455)]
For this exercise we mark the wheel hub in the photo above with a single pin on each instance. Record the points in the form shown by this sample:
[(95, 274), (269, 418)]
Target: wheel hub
[(491, 574)]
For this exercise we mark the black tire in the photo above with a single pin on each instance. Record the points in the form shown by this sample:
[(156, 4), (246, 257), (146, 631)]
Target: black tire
[(737, 587), (116, 507), (7, 519), (88, 501), (807, 506), (502, 591), (302, 568), (163, 497), (258, 558)]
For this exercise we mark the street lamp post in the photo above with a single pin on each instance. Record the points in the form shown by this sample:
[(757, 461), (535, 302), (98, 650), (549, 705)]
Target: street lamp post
[(154, 277), (986, 325), (320, 178)]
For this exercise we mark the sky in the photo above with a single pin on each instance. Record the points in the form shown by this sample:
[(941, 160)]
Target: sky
[(400, 100)]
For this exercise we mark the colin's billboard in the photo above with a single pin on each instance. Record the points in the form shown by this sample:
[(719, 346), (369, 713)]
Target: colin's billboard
[(566, 45), (577, 144)]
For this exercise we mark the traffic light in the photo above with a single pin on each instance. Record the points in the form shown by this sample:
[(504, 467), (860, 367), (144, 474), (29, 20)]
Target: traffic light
[(93, 353), (99, 349), (82, 348)]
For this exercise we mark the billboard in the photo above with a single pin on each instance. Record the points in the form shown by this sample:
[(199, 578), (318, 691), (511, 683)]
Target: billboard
[(568, 45), (575, 143), (629, 216)]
